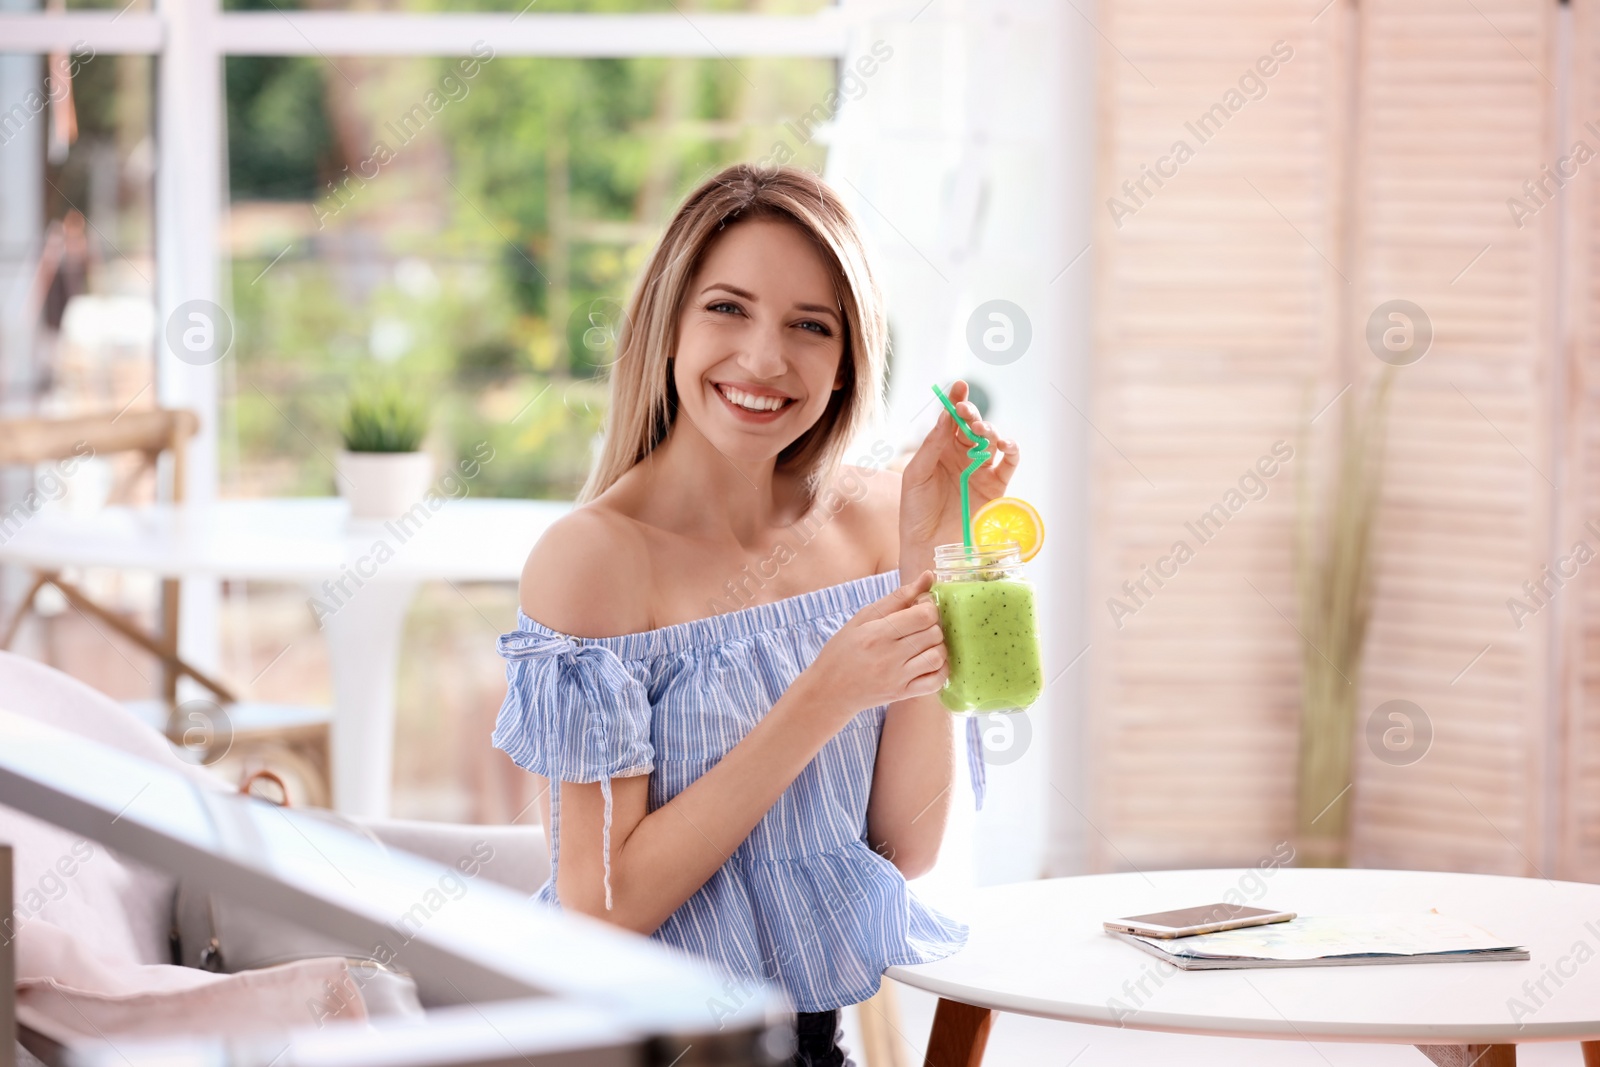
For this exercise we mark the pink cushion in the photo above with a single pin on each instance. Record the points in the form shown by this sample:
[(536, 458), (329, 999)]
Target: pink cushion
[(71, 994), (117, 905), (91, 928), (121, 908), (42, 693)]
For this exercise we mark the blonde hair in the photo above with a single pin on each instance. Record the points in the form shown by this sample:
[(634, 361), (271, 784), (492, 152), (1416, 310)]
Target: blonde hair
[(644, 401)]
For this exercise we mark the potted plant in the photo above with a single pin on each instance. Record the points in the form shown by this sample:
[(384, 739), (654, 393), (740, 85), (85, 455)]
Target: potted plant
[(383, 471), (1333, 570)]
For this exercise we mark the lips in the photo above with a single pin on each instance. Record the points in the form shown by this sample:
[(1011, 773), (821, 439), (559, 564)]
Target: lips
[(751, 405)]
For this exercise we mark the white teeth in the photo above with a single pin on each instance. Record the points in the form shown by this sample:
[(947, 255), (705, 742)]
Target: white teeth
[(751, 402)]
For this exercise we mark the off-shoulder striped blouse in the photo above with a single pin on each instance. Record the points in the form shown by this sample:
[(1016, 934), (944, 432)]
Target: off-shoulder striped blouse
[(804, 902)]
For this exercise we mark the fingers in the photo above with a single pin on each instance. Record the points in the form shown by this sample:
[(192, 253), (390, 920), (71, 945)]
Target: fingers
[(929, 663), (973, 418), (929, 672), (957, 393), (1010, 456), (917, 625), (909, 602), (971, 415), (946, 432), (981, 427), (926, 457), (890, 610), (910, 615), (908, 592), (1007, 447)]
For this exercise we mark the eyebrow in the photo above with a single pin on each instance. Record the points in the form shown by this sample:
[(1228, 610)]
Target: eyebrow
[(748, 295)]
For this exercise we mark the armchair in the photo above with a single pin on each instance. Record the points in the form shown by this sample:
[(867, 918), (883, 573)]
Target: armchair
[(87, 898), (528, 981)]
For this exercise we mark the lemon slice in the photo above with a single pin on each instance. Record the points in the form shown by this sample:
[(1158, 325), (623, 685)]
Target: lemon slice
[(1009, 518)]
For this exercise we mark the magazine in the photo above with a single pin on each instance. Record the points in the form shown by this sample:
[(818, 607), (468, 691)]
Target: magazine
[(1334, 940)]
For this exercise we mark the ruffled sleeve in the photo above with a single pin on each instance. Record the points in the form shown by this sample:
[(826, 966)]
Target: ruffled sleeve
[(975, 759), (573, 713)]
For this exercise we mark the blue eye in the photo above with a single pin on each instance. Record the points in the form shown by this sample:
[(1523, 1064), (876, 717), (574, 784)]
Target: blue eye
[(818, 327), (723, 304)]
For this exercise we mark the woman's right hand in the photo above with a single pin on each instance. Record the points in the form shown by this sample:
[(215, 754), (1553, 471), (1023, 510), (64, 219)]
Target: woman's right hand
[(890, 650)]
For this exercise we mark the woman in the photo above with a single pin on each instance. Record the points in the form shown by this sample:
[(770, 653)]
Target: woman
[(717, 665)]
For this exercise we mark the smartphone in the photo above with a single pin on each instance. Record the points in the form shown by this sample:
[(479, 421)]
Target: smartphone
[(1206, 919)]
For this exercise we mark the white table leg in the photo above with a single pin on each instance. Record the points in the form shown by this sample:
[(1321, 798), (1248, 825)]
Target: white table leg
[(364, 651)]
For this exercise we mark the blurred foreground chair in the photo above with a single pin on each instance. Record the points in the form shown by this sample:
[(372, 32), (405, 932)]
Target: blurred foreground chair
[(123, 912), (883, 1044), (293, 741)]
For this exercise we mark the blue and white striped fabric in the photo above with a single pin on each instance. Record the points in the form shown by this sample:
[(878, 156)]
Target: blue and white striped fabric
[(803, 902)]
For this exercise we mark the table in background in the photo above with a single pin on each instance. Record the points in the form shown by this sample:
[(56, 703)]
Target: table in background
[(1037, 948), (363, 573)]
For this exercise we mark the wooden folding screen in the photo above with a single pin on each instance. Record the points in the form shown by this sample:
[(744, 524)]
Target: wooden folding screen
[(1576, 774), (1215, 318), (1375, 164), (1456, 110)]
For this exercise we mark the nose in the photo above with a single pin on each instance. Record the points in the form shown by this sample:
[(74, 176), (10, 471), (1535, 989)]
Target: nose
[(762, 356)]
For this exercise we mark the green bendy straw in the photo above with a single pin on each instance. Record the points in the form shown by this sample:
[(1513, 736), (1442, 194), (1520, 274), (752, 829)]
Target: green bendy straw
[(979, 454)]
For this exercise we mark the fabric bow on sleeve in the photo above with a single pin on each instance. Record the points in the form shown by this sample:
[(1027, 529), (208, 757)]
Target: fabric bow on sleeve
[(573, 713)]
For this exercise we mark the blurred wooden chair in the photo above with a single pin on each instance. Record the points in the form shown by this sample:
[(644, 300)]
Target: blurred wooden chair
[(270, 736), (883, 1044)]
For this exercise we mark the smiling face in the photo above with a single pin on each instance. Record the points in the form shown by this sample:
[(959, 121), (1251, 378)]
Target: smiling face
[(760, 340)]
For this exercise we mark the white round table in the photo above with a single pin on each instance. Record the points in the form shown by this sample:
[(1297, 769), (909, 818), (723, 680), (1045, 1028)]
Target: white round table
[(1037, 948), (360, 575)]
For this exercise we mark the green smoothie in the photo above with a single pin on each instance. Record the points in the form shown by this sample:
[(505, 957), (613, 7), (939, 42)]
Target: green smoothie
[(991, 633)]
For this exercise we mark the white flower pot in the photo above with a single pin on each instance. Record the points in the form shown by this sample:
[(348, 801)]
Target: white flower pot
[(383, 485)]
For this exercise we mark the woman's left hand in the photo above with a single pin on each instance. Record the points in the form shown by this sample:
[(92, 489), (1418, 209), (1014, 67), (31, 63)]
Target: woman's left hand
[(930, 485)]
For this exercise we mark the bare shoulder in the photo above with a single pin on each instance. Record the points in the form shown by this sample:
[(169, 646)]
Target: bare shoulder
[(873, 511), (881, 499), (588, 575)]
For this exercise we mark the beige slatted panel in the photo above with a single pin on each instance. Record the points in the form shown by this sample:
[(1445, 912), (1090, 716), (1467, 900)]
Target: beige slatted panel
[(1456, 111), (1218, 302), (1216, 310), (1579, 785)]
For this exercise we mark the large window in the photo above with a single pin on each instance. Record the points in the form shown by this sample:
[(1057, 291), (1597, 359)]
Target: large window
[(468, 227)]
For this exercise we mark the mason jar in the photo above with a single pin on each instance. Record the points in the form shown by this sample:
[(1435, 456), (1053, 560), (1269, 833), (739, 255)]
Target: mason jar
[(990, 621)]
